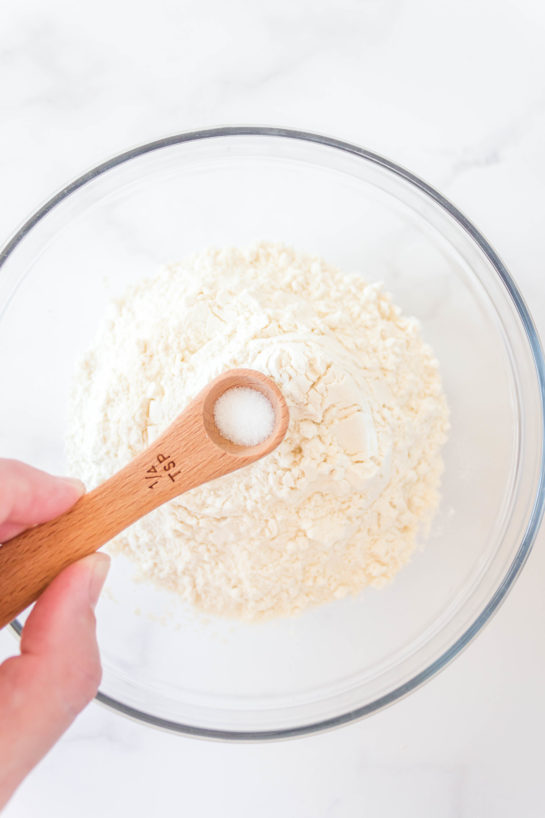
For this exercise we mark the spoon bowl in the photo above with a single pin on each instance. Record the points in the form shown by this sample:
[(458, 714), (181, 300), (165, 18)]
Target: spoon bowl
[(251, 379)]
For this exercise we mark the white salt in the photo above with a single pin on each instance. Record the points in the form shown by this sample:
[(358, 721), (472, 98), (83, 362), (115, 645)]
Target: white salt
[(244, 416)]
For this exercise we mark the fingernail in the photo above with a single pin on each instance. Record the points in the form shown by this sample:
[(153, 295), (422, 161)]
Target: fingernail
[(78, 484), (101, 566)]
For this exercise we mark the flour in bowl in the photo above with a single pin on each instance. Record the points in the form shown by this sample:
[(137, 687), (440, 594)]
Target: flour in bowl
[(339, 504)]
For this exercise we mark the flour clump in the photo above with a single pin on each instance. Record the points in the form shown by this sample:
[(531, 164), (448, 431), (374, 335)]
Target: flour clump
[(339, 504)]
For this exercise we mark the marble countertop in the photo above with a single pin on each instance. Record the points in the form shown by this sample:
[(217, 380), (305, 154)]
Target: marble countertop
[(455, 92)]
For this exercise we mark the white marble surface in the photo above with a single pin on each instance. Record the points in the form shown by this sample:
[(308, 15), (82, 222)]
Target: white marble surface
[(456, 92)]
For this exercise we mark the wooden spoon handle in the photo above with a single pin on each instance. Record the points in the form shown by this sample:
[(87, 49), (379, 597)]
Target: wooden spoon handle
[(30, 561)]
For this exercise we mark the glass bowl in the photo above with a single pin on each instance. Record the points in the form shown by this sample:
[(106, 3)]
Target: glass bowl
[(163, 664)]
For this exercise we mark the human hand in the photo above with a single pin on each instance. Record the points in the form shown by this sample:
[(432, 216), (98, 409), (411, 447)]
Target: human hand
[(58, 671)]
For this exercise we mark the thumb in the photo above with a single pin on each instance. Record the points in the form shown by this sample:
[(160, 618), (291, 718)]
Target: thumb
[(57, 673)]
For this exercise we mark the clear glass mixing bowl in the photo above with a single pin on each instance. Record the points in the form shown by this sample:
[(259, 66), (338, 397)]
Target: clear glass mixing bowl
[(158, 202)]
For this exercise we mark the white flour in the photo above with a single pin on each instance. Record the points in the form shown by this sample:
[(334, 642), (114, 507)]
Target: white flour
[(338, 505)]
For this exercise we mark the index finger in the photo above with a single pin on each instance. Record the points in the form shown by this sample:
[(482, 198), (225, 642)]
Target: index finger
[(29, 496)]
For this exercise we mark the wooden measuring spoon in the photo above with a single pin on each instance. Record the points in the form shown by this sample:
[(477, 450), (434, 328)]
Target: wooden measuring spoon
[(190, 452)]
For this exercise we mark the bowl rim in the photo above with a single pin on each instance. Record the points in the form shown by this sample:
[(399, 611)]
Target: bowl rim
[(535, 347)]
